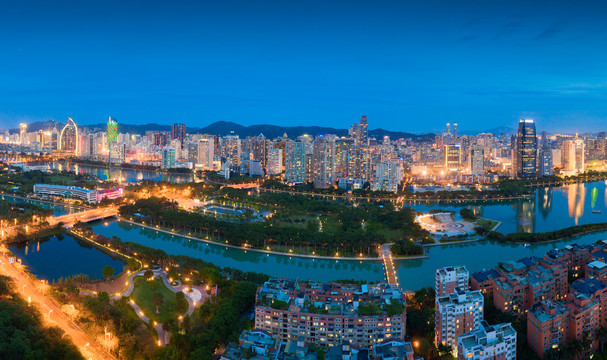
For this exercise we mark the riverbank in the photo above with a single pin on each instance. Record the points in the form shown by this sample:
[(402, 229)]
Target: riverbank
[(269, 252), (563, 234)]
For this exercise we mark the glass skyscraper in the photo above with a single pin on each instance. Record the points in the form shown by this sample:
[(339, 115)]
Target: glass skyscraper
[(526, 150)]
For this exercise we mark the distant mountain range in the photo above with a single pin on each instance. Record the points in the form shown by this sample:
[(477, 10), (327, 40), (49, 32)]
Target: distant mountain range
[(227, 128)]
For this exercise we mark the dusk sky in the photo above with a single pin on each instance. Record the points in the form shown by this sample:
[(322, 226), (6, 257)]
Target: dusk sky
[(409, 66)]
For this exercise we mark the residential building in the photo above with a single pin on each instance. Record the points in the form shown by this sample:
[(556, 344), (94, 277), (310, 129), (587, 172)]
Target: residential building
[(295, 162), (477, 160), (449, 278), (274, 161), (488, 342), (456, 314), (168, 158)]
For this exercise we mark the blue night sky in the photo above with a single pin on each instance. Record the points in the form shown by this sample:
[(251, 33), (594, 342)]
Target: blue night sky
[(410, 66)]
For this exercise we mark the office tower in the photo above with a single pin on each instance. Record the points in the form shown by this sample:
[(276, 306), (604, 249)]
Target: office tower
[(22, 133), (230, 149), (359, 162), (192, 149), (68, 138), (452, 154), (488, 342), (557, 157), (449, 278), (112, 131), (448, 132), (546, 161), (178, 132), (168, 158), (477, 160), (206, 152), (454, 132), (117, 153), (295, 162), (274, 161), (525, 150), (54, 138), (456, 314), (388, 176), (323, 161), (573, 156)]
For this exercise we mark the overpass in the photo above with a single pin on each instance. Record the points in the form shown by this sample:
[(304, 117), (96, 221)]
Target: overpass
[(390, 272)]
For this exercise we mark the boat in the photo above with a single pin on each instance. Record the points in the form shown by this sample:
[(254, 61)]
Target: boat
[(526, 245), (597, 211)]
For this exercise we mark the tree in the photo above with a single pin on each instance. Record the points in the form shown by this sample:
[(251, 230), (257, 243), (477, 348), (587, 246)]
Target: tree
[(171, 326), (148, 274), (181, 303), (103, 296), (157, 300), (107, 272)]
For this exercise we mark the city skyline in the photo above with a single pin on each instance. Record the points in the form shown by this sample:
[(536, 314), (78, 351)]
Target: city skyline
[(410, 67)]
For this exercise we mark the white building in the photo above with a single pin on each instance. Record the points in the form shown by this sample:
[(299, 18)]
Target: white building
[(477, 160), (573, 156), (274, 161), (206, 153), (456, 314), (488, 342), (449, 278), (388, 176)]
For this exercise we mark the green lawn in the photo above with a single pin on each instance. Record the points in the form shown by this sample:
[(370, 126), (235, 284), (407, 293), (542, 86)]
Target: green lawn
[(142, 295), (486, 223)]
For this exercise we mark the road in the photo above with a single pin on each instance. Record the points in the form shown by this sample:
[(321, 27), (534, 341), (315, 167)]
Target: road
[(51, 313)]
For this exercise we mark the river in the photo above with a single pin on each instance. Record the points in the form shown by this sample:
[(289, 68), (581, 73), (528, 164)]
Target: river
[(554, 208), (123, 175)]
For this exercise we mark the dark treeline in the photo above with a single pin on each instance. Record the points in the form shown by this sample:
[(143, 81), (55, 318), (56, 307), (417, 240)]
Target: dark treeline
[(546, 236)]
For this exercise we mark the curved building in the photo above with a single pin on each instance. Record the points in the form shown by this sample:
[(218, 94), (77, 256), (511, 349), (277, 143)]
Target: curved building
[(68, 138)]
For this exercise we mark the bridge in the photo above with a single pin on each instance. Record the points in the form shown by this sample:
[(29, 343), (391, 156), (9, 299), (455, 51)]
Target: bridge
[(86, 216), (386, 255)]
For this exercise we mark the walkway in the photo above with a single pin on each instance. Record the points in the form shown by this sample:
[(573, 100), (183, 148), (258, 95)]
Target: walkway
[(163, 336), (389, 269)]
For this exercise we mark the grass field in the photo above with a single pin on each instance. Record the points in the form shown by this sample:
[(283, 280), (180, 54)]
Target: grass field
[(143, 293)]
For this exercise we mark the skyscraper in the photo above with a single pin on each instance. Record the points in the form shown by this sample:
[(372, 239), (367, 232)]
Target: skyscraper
[(22, 133), (546, 161), (68, 138), (178, 132), (573, 156), (206, 152), (323, 161), (112, 131), (452, 157), (525, 152), (274, 161), (230, 150), (168, 158), (477, 160)]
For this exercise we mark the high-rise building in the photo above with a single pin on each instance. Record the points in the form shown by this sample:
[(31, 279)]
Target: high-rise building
[(488, 342), (546, 167), (178, 132), (68, 138), (449, 278), (573, 156), (295, 162), (388, 176), (452, 155), (22, 133), (323, 161), (477, 160), (274, 161), (456, 314), (230, 150), (168, 158), (206, 153), (117, 153), (112, 131), (259, 147), (525, 150)]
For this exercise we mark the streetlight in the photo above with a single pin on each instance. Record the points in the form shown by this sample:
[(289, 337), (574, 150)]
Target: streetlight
[(49, 314), (23, 291)]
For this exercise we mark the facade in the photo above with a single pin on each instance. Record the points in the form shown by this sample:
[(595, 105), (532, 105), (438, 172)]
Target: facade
[(488, 342), (388, 176), (112, 132), (573, 156), (449, 278), (525, 150), (323, 162), (178, 132), (117, 153), (89, 196), (206, 153), (68, 138), (456, 314), (274, 161), (453, 156), (23, 134), (546, 165), (477, 160), (168, 158), (230, 150), (295, 162), (330, 314)]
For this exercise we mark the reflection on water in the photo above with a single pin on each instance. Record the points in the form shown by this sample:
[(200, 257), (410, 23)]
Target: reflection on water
[(544, 199), (576, 195), (552, 209), (122, 175)]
